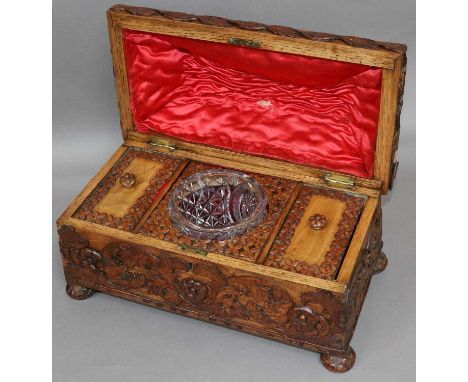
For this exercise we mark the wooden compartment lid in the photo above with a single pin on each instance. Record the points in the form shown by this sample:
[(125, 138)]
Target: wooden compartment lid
[(390, 57)]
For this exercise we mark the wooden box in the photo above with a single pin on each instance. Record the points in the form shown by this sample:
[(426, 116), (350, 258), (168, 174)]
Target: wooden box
[(313, 117)]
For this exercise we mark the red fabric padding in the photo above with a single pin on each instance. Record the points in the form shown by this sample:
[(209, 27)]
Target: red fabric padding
[(295, 108)]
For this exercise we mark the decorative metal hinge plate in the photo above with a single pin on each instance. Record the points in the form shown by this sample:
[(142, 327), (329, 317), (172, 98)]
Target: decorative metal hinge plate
[(242, 42), (164, 143), (340, 181), (189, 248)]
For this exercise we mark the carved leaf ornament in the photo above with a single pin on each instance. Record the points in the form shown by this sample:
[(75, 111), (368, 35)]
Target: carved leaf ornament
[(202, 287)]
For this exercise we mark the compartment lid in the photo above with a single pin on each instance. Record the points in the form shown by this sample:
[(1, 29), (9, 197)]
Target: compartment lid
[(326, 103)]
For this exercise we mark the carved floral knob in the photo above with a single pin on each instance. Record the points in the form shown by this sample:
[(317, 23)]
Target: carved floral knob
[(318, 221), (127, 180), (193, 291)]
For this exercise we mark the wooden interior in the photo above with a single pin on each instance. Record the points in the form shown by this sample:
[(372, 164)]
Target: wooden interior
[(388, 56), (246, 247), (244, 162), (307, 246)]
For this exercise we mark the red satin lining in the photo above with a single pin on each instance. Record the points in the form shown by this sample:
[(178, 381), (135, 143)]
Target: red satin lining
[(294, 108)]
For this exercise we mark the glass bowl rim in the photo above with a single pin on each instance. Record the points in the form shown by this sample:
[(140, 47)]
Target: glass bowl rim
[(253, 219)]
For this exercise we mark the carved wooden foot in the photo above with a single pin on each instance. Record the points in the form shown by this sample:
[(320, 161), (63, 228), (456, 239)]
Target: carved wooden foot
[(338, 364), (380, 264), (79, 292)]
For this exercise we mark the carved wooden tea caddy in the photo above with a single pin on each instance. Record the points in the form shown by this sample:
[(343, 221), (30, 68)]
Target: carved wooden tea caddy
[(313, 117)]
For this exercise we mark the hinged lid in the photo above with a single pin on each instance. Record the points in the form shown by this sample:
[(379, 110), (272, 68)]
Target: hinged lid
[(340, 180), (163, 143), (378, 63)]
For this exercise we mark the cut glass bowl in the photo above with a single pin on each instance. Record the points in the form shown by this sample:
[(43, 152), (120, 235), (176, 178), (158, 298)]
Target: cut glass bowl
[(217, 204)]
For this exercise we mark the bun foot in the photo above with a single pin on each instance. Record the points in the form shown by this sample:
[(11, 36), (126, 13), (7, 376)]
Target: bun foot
[(380, 264), (339, 364), (78, 292)]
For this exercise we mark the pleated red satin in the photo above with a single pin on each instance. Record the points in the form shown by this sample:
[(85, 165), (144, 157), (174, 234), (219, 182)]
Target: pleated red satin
[(299, 109)]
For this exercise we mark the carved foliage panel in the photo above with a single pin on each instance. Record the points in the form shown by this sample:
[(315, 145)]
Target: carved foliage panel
[(357, 290), (206, 289), (262, 28), (247, 246), (396, 133)]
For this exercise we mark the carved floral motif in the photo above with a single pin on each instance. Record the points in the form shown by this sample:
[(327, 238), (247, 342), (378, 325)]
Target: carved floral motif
[(318, 315), (318, 221), (305, 320), (193, 291), (127, 179), (248, 298), (203, 288)]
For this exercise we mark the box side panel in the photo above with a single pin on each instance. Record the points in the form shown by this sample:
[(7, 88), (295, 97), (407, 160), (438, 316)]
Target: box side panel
[(284, 311), (371, 260), (388, 133)]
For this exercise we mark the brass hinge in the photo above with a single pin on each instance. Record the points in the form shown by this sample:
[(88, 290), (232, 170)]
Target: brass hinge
[(242, 42), (164, 143), (195, 250), (340, 181)]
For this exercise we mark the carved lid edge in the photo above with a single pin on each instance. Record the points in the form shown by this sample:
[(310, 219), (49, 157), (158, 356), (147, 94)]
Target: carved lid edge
[(279, 30)]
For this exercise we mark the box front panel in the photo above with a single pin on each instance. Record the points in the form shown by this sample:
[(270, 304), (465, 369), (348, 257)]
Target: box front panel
[(289, 312)]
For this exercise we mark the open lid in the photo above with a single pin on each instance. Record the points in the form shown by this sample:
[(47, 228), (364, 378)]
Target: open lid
[(323, 102)]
